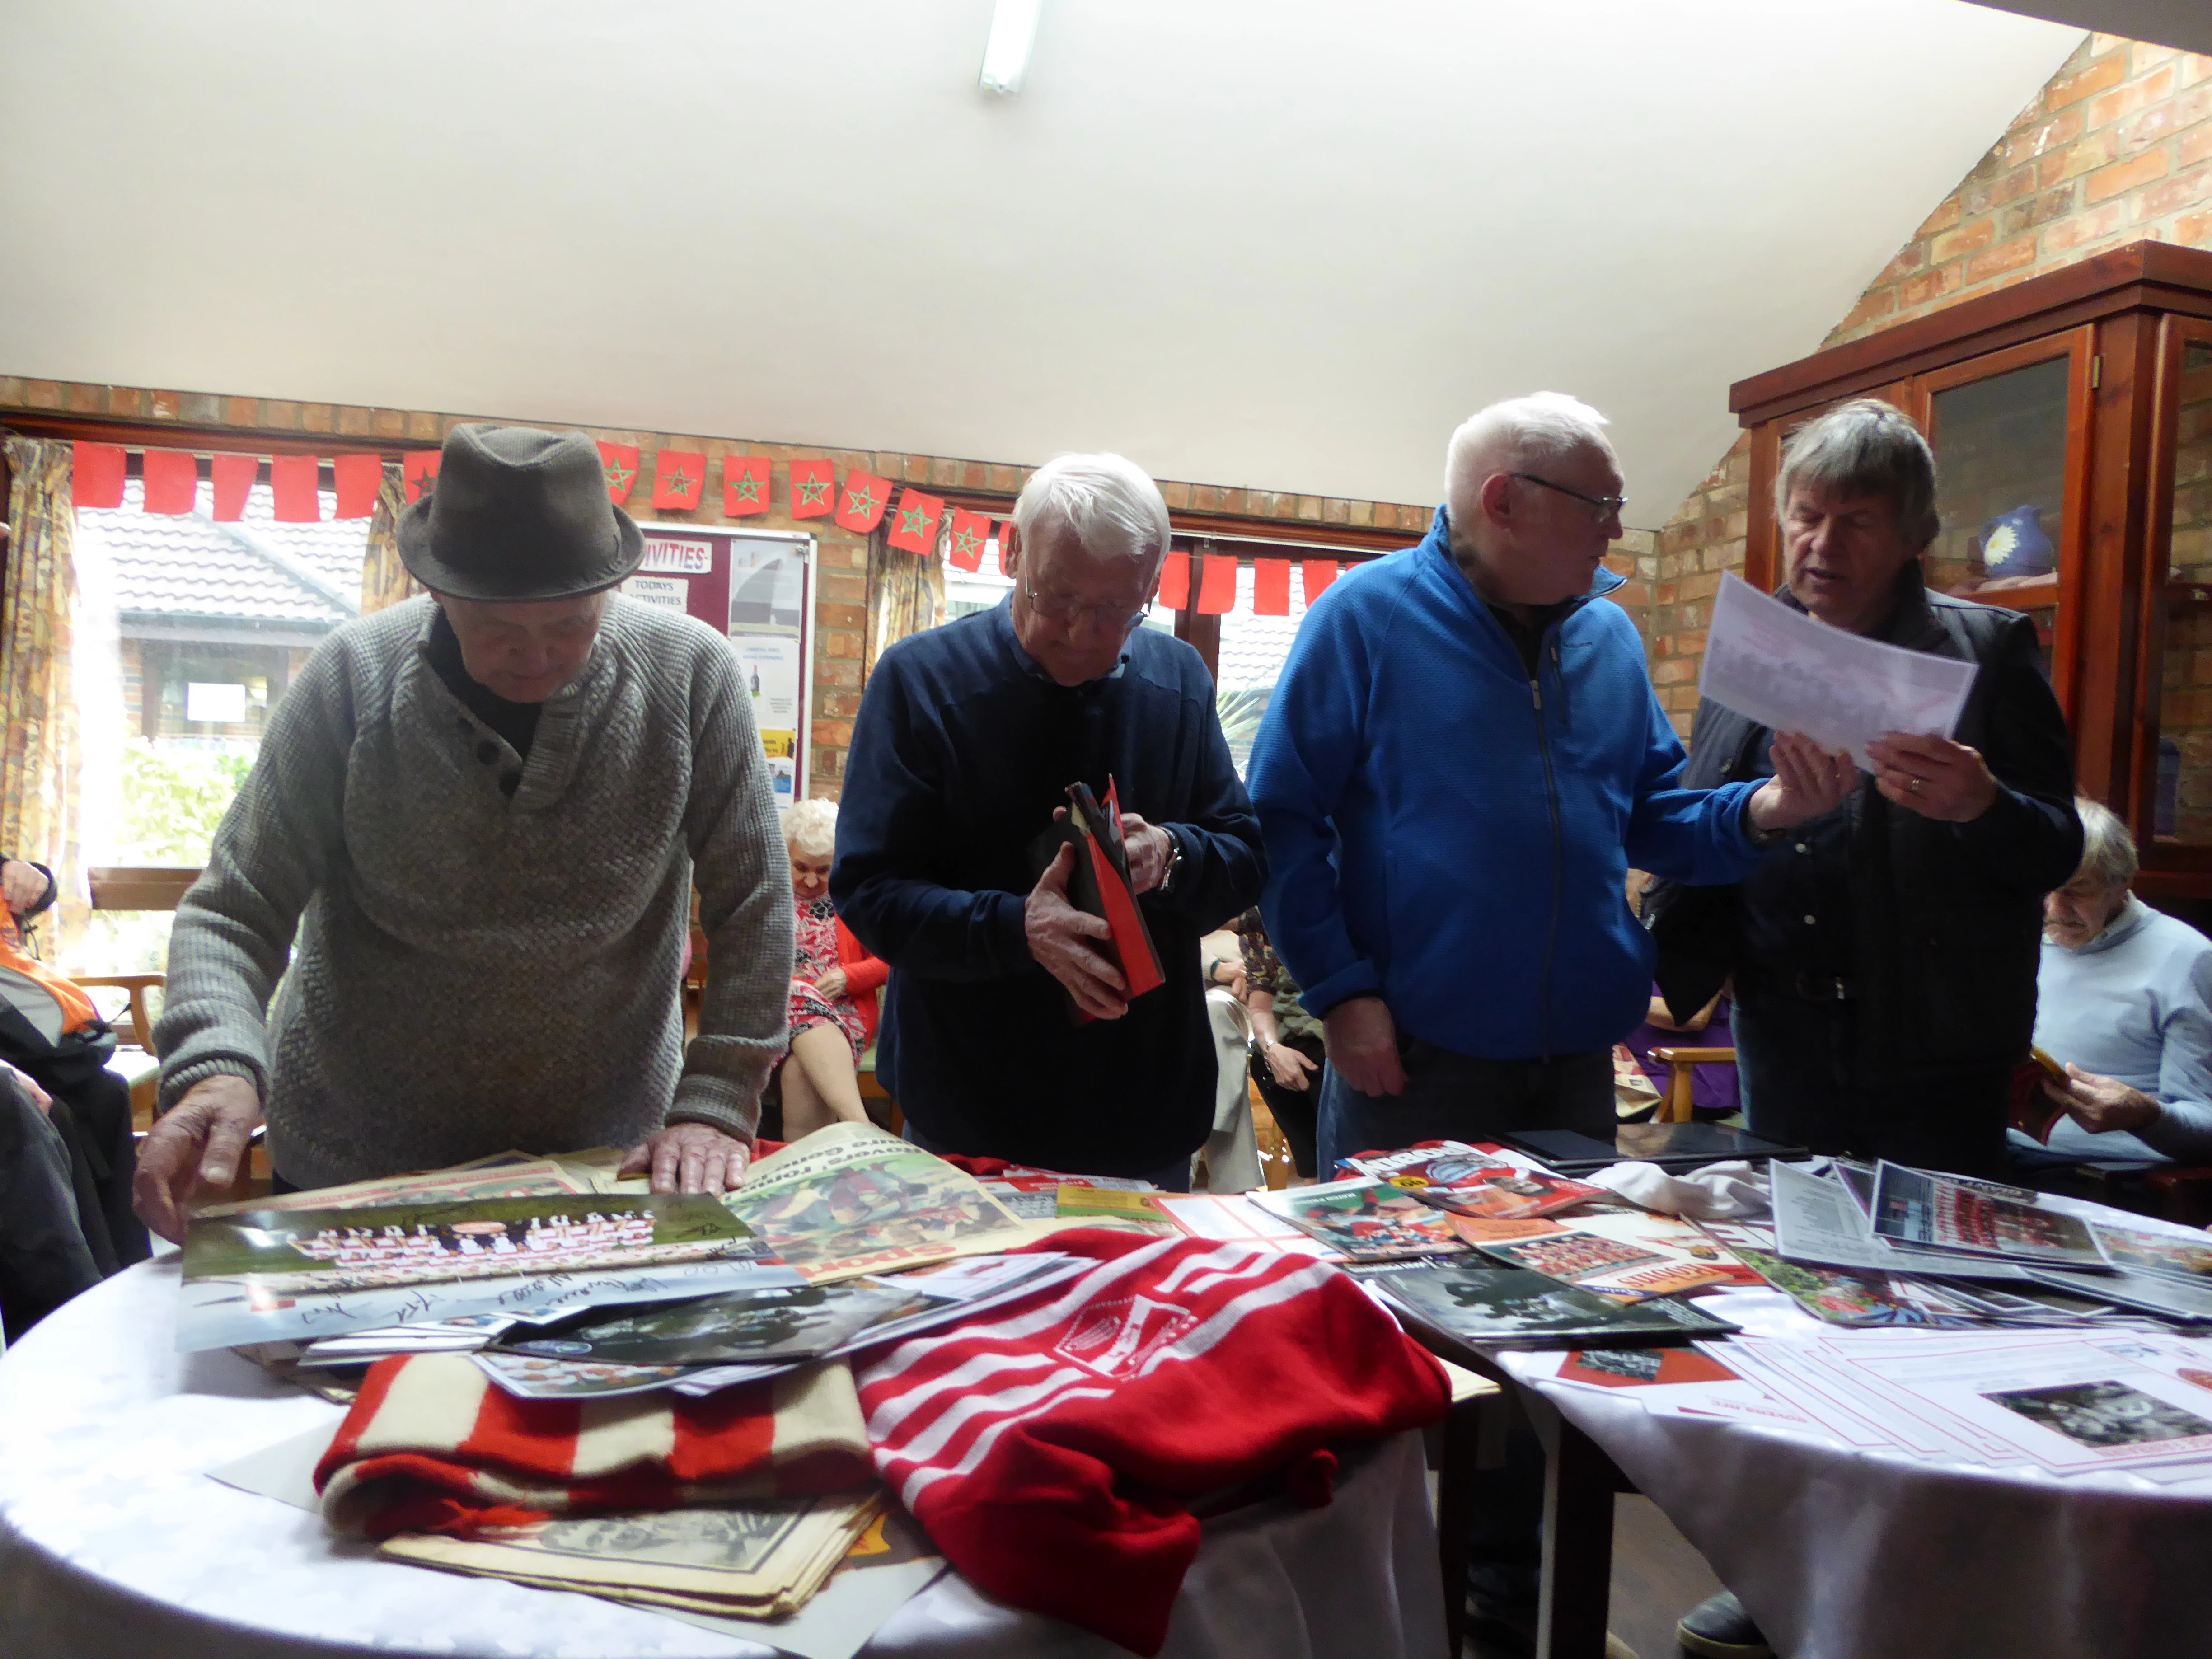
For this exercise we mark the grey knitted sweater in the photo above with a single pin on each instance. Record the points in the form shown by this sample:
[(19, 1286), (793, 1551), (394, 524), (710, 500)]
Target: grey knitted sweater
[(476, 972)]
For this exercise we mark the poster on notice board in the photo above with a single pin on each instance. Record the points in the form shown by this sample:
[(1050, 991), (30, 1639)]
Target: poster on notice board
[(757, 586)]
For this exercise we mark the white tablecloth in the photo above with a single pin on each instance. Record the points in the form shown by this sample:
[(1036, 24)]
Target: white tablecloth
[(115, 1544), (1842, 1555)]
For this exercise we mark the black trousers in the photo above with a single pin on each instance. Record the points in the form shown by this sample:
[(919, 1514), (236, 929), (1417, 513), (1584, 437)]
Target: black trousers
[(44, 1258), (1796, 1060)]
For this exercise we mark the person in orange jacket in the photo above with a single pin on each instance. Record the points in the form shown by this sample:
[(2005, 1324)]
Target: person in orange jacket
[(835, 986)]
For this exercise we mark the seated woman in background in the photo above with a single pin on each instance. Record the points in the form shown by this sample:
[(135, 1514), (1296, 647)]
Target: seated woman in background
[(2123, 1001), (834, 986)]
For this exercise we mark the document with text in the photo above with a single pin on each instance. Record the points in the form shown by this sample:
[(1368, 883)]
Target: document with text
[(1777, 665)]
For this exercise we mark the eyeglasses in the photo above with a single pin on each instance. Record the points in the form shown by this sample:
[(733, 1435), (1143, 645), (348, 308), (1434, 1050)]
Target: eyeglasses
[(1602, 506), (1060, 609)]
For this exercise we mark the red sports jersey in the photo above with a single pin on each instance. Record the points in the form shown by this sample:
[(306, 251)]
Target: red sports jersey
[(1053, 1447)]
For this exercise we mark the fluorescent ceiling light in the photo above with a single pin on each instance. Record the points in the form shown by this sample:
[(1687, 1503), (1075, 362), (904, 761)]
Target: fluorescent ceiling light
[(1007, 53)]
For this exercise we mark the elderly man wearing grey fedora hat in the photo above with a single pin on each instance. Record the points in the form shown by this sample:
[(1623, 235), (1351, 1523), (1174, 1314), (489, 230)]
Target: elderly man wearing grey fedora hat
[(484, 813)]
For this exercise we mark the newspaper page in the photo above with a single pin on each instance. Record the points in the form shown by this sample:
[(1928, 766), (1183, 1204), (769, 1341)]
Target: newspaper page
[(1777, 665), (851, 1200)]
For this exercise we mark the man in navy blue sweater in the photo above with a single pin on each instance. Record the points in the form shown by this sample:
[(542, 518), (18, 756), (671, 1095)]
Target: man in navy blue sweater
[(1462, 759), (967, 739)]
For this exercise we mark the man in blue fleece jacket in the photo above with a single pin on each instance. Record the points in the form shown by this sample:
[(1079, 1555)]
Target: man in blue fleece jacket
[(1460, 763)]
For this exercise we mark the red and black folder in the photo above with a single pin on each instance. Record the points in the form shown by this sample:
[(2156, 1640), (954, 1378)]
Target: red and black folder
[(1099, 883)]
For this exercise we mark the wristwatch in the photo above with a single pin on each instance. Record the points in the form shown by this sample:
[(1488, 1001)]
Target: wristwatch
[(1175, 861)]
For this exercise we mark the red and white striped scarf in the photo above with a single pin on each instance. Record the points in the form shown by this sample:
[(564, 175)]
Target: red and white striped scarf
[(432, 1444), (1053, 1447)]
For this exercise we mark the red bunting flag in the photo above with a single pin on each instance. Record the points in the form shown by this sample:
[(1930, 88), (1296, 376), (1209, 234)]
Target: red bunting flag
[(419, 472), (813, 489), (1319, 573), (1271, 587), (745, 485), (678, 476), (861, 501), (293, 487), (914, 525), (359, 479), (1216, 587), (619, 463), (172, 479), (96, 475), (1175, 582), (971, 534), (234, 477)]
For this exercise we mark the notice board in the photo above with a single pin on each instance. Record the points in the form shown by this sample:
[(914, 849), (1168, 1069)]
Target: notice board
[(757, 587)]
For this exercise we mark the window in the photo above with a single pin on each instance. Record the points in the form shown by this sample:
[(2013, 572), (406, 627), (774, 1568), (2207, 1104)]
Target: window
[(187, 633), (1253, 651)]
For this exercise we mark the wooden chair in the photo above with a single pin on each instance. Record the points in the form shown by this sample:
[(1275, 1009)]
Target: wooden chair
[(1675, 1105)]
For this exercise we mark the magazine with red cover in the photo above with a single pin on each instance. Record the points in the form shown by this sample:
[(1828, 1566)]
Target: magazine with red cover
[(1453, 1175)]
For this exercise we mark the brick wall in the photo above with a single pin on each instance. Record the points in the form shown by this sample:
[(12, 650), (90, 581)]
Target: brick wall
[(842, 612), (2115, 148)]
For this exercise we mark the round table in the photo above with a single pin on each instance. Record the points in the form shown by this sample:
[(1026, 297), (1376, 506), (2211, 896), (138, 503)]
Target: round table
[(114, 1543), (1842, 1553)]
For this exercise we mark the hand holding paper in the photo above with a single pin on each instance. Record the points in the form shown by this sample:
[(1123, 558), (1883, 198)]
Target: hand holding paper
[(1807, 782), (1933, 776)]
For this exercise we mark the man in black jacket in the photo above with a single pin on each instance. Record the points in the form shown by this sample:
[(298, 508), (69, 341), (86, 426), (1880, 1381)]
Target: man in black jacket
[(1885, 955), (968, 738)]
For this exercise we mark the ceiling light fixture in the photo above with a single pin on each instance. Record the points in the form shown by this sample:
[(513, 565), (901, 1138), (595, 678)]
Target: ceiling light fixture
[(1007, 53)]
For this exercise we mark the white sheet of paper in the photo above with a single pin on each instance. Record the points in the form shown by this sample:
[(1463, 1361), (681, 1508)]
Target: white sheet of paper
[(1777, 665), (285, 1471)]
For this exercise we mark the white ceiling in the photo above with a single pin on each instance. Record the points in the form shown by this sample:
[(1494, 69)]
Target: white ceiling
[(1285, 245), (2183, 23)]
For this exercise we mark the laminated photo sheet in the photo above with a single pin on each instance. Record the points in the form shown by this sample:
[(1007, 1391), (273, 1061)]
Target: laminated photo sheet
[(1233, 1217), (217, 1314), (1921, 1207), (2070, 1406), (1684, 1382), (2186, 1258), (1868, 1421), (1777, 665), (2156, 1293), (1817, 1221), (1846, 1360)]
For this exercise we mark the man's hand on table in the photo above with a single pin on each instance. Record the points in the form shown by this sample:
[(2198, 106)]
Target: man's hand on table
[(199, 1142), (1058, 937), (690, 1158), (1362, 1040)]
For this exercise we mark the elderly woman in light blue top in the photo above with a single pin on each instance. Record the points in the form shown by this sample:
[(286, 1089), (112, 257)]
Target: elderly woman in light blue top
[(2125, 1001)]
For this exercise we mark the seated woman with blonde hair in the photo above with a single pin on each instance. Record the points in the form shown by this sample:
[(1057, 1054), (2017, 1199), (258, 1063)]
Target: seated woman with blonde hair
[(834, 986)]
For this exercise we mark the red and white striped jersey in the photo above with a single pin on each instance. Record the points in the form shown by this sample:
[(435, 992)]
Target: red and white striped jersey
[(1053, 1447)]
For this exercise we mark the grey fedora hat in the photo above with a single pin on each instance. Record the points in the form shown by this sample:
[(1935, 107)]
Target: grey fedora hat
[(518, 514)]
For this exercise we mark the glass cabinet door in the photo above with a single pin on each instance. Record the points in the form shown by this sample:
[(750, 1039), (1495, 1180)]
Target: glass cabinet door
[(2000, 446), (2181, 803)]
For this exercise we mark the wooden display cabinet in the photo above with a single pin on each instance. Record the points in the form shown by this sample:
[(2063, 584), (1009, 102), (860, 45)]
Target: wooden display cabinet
[(2071, 416)]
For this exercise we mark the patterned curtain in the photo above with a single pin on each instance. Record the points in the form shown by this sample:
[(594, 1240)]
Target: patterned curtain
[(906, 594), (384, 579), (39, 771)]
